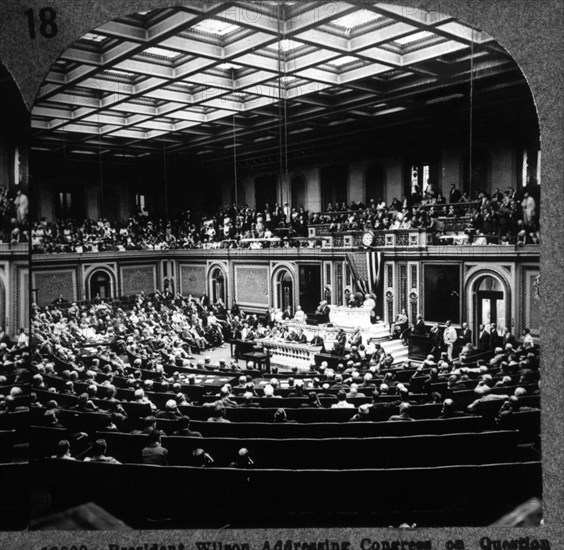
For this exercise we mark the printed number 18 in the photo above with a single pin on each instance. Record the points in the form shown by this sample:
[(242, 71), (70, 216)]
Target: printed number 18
[(47, 26)]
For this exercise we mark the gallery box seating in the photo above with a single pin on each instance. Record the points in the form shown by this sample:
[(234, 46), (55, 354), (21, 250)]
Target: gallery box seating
[(342, 453), (271, 497)]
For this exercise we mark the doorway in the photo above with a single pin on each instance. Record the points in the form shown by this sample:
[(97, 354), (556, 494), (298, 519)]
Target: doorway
[(310, 287), (100, 285), (490, 303), (284, 291), (217, 290)]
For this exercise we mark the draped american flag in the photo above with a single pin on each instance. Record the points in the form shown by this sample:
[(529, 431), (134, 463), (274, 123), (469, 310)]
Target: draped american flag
[(366, 270)]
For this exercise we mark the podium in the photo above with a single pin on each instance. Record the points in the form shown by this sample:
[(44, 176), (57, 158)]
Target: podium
[(350, 317)]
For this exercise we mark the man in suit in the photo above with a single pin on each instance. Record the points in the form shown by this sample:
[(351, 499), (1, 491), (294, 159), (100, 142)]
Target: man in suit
[(318, 341), (465, 334), (449, 410), (322, 312), (170, 412), (454, 195), (4, 338), (483, 338), (419, 326), (400, 324), (154, 452), (269, 317), (494, 336), (301, 337), (339, 346), (508, 338)]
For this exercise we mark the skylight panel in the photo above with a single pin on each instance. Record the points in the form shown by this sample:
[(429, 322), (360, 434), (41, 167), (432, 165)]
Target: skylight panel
[(161, 52), (342, 121), (389, 111), (413, 37), (228, 66), (356, 19), (91, 37), (213, 26), (285, 45), (344, 60)]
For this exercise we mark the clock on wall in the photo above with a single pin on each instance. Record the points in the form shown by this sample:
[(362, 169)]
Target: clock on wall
[(368, 238)]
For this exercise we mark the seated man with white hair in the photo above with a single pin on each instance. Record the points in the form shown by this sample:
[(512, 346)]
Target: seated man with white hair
[(353, 391), (300, 316), (170, 411), (225, 395), (139, 397), (478, 406), (363, 414), (449, 410), (269, 392)]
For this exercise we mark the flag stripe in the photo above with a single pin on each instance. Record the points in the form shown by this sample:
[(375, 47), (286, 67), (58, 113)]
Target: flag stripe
[(374, 268)]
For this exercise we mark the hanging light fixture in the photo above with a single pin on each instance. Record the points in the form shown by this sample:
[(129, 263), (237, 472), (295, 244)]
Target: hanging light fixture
[(471, 119), (165, 181), (235, 161), (101, 174)]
